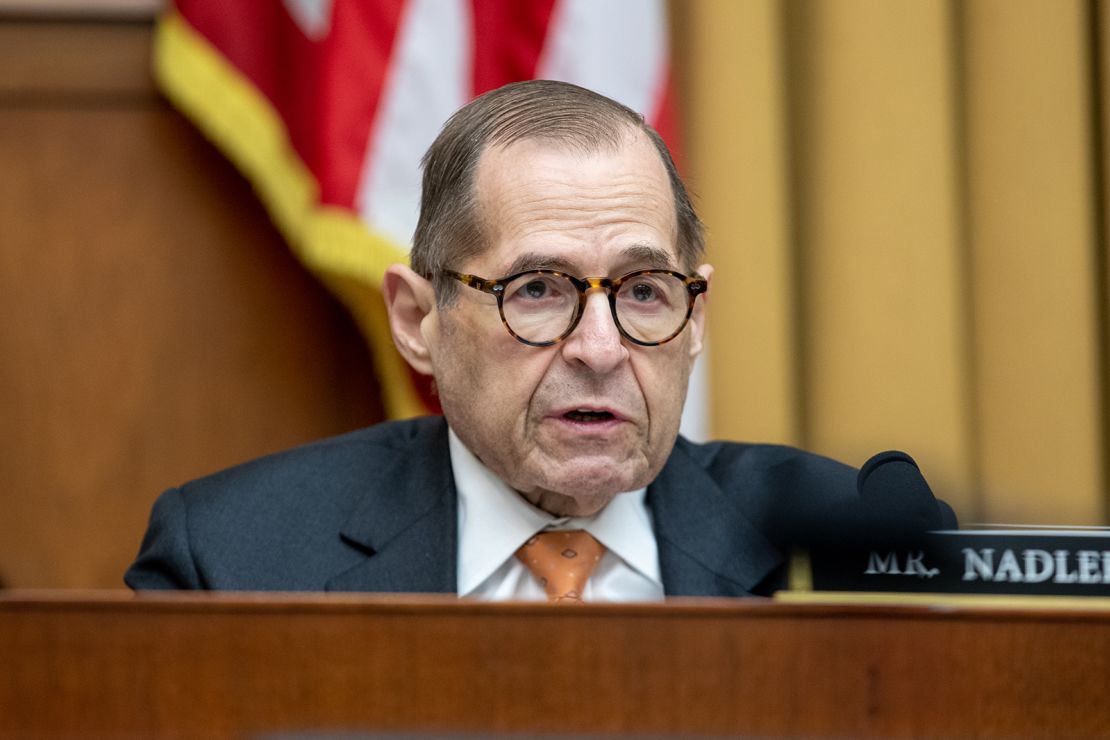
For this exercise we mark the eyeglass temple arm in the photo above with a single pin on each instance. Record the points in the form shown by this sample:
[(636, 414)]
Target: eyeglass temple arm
[(697, 285), (473, 281)]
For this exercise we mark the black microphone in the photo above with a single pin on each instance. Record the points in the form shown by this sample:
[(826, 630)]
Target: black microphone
[(893, 490), (895, 508)]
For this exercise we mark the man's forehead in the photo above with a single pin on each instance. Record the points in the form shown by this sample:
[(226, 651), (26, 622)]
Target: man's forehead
[(571, 147), (631, 180)]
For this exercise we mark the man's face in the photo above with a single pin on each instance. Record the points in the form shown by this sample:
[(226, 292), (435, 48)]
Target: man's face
[(519, 408)]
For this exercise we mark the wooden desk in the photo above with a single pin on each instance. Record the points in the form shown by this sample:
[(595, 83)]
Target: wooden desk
[(194, 665)]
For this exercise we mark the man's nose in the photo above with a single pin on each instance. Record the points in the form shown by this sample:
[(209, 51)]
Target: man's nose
[(596, 341)]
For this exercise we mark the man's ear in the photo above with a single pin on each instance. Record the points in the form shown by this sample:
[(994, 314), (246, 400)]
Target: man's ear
[(698, 316), (409, 299)]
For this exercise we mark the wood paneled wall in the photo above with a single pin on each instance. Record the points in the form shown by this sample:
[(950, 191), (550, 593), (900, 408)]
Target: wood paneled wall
[(153, 326)]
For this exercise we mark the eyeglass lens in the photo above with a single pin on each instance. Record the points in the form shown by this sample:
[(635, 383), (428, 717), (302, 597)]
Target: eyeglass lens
[(540, 307)]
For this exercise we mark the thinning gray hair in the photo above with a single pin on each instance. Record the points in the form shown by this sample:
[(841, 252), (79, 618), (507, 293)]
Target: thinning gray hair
[(449, 230)]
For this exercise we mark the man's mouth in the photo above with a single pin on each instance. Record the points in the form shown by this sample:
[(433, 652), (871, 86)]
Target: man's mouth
[(588, 415)]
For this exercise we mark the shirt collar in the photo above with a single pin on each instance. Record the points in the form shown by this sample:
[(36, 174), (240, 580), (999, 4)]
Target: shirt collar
[(494, 520)]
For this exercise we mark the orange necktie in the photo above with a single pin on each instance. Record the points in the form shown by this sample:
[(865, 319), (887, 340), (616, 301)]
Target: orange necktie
[(562, 562)]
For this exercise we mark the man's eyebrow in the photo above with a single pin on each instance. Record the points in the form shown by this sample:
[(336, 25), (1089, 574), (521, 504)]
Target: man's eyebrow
[(636, 256), (647, 256), (538, 261)]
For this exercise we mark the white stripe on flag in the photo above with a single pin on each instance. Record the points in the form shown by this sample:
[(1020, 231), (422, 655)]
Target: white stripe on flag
[(313, 17), (617, 48), (428, 80)]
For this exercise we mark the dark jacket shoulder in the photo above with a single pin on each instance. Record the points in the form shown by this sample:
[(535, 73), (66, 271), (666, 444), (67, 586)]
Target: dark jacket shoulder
[(767, 482), (723, 511), (272, 523)]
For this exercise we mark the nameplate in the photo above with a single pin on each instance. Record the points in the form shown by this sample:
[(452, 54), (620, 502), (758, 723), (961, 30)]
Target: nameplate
[(1070, 562)]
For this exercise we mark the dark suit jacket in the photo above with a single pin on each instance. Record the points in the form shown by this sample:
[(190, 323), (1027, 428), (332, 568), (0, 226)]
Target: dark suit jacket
[(375, 510)]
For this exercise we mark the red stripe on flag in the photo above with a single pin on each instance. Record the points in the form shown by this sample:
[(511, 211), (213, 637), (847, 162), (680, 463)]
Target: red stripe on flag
[(325, 91), (508, 39), (356, 62), (664, 119)]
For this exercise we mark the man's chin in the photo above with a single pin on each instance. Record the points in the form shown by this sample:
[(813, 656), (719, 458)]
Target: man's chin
[(595, 478), (579, 503), (569, 482)]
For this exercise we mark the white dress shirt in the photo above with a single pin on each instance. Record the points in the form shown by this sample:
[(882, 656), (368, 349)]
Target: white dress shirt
[(495, 520)]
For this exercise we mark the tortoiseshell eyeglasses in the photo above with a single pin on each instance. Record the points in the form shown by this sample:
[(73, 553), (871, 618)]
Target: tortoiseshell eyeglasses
[(542, 307)]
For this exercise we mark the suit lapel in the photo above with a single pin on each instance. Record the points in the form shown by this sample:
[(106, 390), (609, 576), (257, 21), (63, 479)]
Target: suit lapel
[(406, 526), (707, 547)]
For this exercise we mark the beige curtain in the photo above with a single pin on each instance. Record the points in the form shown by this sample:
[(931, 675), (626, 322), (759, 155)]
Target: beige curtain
[(907, 205)]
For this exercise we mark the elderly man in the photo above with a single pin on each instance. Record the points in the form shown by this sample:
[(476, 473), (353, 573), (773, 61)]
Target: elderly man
[(556, 297)]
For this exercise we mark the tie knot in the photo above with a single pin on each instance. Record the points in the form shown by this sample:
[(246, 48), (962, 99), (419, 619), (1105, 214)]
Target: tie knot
[(562, 562)]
